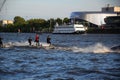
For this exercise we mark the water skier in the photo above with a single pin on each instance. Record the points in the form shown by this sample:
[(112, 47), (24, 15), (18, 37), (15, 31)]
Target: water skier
[(37, 39), (48, 39), (30, 41), (1, 43)]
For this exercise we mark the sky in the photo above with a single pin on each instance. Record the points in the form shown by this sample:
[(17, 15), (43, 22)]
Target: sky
[(47, 9)]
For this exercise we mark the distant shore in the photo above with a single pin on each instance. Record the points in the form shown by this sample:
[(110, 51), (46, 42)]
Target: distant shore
[(104, 31), (90, 31)]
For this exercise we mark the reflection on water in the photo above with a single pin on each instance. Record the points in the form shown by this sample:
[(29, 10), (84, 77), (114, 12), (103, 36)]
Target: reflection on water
[(74, 57)]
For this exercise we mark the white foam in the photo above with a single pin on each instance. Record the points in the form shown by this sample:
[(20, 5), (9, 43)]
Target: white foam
[(22, 43), (97, 48)]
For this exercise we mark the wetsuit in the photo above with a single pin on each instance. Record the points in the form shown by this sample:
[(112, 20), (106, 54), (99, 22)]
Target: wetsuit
[(30, 41), (37, 39), (1, 44), (48, 40)]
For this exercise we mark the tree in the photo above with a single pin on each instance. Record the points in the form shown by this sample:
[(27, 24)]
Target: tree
[(36, 24), (0, 23), (19, 20), (59, 21), (66, 20), (51, 23)]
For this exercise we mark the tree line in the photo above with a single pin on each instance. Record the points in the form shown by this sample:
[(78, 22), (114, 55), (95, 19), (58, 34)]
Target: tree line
[(32, 25)]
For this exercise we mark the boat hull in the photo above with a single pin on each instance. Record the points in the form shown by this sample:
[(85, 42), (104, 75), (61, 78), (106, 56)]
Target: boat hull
[(69, 29)]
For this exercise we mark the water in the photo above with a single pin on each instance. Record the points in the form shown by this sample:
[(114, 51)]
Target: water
[(74, 57)]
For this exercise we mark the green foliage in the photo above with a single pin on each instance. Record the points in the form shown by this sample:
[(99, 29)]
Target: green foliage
[(0, 23), (19, 20), (36, 24), (66, 20), (59, 21), (32, 25), (51, 22)]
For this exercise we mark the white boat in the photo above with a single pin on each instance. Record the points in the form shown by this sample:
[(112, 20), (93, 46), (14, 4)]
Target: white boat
[(72, 28)]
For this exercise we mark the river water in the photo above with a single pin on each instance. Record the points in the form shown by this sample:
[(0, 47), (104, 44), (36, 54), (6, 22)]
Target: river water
[(74, 57)]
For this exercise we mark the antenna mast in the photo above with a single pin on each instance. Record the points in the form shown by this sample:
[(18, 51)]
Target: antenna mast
[(2, 5)]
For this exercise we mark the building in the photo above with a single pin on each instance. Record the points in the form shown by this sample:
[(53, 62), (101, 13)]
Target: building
[(5, 22), (112, 22), (111, 9), (95, 18)]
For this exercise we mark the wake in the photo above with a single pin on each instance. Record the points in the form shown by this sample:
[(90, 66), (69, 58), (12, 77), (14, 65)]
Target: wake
[(96, 48), (23, 44)]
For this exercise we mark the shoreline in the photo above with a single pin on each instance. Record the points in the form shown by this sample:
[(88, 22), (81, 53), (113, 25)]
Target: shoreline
[(90, 31)]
